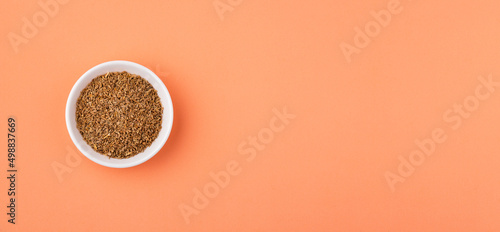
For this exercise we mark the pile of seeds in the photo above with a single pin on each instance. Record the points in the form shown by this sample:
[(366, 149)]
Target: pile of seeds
[(119, 114)]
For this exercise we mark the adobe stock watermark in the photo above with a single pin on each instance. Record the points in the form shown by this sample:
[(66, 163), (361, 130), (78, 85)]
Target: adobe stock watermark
[(223, 6), (453, 118), (71, 161), (161, 73), (249, 148), (30, 26), (372, 29)]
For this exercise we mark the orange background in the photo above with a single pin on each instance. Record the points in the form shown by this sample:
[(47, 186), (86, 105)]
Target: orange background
[(324, 172)]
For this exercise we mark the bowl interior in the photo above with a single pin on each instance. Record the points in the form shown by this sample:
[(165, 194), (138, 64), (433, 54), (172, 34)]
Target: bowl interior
[(118, 66)]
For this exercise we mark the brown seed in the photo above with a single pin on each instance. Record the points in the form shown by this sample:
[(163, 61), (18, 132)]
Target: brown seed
[(119, 114)]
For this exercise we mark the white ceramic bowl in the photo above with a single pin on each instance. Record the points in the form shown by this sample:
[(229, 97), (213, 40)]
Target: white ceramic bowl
[(118, 66)]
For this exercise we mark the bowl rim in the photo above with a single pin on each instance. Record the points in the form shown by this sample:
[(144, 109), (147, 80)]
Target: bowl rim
[(74, 94)]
